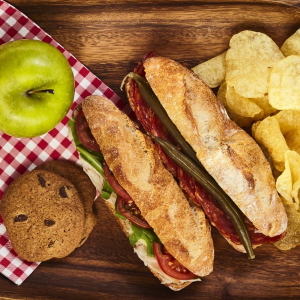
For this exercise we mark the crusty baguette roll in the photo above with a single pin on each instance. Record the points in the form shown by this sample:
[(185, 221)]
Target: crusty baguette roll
[(226, 151), (140, 247), (130, 155)]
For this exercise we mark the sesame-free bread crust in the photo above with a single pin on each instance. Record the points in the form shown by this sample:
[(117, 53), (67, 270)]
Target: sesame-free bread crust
[(130, 155), (226, 151)]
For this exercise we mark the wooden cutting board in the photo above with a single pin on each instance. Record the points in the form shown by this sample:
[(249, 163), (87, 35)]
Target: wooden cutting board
[(109, 37)]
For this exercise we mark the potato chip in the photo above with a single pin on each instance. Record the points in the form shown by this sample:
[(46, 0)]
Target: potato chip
[(222, 92), (288, 186), (288, 183), (292, 238), (289, 122), (249, 61), (292, 45), (212, 71), (254, 127), (264, 104), (240, 108), (284, 86), (277, 134), (242, 121), (268, 134), (243, 106)]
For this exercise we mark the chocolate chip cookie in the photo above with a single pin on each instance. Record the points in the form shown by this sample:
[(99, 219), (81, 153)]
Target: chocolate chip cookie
[(84, 186), (44, 215)]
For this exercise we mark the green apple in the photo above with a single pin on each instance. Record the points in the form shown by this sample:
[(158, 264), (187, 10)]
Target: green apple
[(36, 87)]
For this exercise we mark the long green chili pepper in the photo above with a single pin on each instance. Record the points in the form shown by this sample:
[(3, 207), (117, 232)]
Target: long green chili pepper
[(211, 186), (188, 161), (160, 112)]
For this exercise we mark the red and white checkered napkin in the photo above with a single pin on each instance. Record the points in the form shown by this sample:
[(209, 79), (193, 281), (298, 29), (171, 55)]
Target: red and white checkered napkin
[(19, 155)]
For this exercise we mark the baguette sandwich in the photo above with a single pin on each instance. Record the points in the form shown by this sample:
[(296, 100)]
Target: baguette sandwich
[(230, 156), (169, 234)]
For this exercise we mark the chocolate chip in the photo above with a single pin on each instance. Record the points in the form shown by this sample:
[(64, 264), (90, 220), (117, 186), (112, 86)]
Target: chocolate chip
[(20, 218), (42, 180), (49, 222), (50, 245), (63, 192)]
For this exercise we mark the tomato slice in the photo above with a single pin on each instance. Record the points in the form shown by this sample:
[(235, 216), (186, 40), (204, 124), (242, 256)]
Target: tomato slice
[(170, 265), (84, 133), (114, 183), (129, 210)]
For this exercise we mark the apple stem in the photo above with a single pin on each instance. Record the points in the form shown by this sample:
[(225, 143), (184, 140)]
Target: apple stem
[(50, 91)]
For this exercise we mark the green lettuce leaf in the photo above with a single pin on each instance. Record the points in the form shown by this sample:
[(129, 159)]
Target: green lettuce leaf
[(147, 235), (95, 159)]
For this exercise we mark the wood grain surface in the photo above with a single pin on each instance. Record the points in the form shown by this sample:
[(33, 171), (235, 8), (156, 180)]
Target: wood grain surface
[(109, 37)]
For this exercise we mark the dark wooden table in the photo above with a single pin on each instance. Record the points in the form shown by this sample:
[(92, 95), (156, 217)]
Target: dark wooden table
[(109, 37)]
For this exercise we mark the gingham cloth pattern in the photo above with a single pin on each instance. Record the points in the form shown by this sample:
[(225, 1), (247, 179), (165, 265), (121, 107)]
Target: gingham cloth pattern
[(19, 155)]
